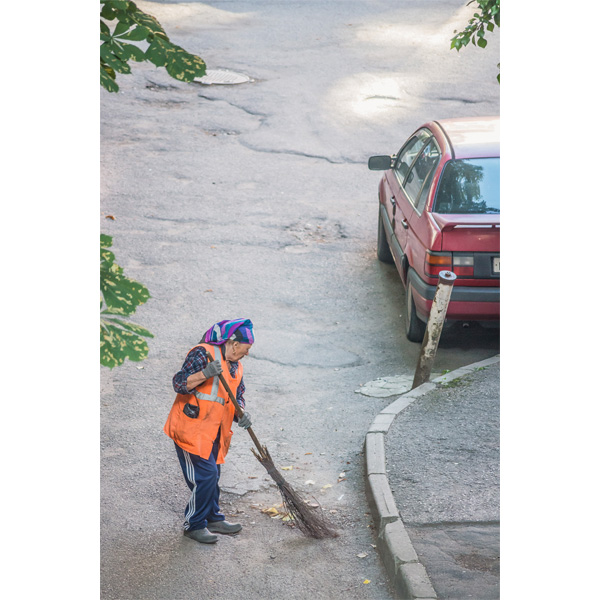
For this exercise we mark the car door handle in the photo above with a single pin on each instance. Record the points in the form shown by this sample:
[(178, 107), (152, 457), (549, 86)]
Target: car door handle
[(393, 200), (404, 223)]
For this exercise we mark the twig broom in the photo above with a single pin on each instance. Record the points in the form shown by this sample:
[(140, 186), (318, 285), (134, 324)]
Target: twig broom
[(309, 522)]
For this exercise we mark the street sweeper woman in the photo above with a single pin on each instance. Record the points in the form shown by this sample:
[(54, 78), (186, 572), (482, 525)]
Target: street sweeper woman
[(201, 418)]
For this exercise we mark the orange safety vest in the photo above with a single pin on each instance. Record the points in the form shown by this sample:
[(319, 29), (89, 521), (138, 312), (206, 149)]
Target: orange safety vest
[(216, 411)]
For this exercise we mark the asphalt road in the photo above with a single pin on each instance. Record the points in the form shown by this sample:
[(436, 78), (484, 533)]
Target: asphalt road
[(255, 201)]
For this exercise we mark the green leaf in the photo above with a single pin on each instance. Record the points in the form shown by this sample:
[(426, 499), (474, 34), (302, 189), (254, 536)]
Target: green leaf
[(121, 294), (156, 54), (131, 52), (107, 79), (122, 27), (134, 25), (182, 65), (127, 52), (112, 60), (106, 257), (485, 19), (149, 22), (137, 34), (118, 344), (108, 12), (129, 326), (120, 4), (119, 339)]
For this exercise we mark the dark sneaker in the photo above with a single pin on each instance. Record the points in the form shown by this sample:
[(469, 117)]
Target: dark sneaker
[(201, 535), (224, 527)]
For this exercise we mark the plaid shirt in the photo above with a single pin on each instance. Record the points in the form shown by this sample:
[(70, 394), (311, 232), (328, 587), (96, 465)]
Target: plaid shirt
[(196, 361)]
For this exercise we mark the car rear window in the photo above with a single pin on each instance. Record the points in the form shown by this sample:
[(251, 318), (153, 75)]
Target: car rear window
[(469, 186)]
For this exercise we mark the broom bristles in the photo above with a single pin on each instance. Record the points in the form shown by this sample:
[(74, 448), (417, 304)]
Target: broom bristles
[(309, 522)]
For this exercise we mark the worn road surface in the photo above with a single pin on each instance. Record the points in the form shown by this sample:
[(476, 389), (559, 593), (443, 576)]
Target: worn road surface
[(255, 201)]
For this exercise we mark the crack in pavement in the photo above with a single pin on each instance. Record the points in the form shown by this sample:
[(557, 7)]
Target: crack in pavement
[(262, 118), (302, 154)]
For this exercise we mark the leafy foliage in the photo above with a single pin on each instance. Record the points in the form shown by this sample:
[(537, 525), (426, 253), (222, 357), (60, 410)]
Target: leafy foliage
[(134, 25), (121, 296), (487, 19)]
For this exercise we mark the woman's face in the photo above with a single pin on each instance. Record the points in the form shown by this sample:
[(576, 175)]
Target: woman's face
[(235, 351)]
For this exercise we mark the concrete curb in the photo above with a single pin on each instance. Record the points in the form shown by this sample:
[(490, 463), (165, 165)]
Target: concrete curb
[(408, 575)]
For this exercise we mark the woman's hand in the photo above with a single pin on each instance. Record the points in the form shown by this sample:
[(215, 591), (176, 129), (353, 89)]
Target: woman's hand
[(212, 369)]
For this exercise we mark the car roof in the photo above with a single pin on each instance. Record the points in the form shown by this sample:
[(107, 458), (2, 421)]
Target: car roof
[(474, 137)]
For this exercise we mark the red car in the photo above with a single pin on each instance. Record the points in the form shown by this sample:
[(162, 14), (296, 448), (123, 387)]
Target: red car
[(439, 210)]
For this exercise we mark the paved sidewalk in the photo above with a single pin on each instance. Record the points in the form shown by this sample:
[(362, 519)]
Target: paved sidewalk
[(433, 476)]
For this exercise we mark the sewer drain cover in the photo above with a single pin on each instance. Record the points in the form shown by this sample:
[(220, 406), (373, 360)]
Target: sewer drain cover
[(219, 77)]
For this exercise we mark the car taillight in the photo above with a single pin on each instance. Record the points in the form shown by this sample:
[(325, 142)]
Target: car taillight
[(435, 262), (460, 264), (463, 265)]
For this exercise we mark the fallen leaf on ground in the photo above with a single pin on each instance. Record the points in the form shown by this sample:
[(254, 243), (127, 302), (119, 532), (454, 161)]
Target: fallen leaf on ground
[(362, 555), (287, 468), (367, 581), (326, 486), (309, 482), (270, 511)]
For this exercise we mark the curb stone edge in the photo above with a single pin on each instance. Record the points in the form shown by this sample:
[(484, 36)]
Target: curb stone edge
[(401, 561)]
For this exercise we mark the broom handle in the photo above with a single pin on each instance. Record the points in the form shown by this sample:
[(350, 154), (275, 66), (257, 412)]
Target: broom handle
[(238, 409)]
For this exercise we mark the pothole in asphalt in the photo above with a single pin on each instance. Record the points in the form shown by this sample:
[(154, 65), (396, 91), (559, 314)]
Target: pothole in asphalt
[(477, 562), (312, 232), (222, 77)]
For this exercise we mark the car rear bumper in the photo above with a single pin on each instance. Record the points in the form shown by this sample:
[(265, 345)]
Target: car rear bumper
[(466, 303)]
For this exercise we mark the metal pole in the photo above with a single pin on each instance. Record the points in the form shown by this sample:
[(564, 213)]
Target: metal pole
[(435, 323)]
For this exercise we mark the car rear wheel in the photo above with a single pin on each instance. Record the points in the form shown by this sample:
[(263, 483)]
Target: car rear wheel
[(415, 328), (384, 254)]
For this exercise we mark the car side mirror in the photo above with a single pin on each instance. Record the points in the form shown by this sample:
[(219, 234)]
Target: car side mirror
[(381, 163)]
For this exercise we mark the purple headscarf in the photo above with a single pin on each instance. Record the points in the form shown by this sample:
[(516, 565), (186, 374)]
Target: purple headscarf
[(238, 329)]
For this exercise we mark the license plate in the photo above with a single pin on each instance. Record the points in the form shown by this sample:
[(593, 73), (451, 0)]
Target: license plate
[(496, 265)]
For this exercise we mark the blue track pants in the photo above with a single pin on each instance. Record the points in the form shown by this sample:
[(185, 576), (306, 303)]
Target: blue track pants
[(202, 477)]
